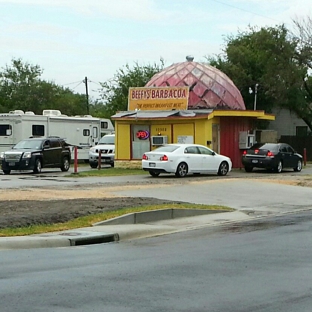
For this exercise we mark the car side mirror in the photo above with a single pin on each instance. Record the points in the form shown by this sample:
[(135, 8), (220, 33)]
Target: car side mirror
[(213, 153)]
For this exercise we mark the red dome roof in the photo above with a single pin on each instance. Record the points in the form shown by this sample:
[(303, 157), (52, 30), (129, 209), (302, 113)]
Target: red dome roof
[(209, 87)]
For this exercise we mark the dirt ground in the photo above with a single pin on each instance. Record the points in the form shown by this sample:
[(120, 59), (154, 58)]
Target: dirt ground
[(25, 207)]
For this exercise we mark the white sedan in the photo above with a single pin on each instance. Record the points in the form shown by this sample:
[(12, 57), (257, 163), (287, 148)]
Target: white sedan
[(182, 159)]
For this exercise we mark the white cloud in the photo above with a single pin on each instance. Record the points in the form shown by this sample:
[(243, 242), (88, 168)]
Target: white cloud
[(71, 39)]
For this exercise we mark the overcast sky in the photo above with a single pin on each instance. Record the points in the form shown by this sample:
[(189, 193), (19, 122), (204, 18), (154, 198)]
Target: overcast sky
[(74, 39)]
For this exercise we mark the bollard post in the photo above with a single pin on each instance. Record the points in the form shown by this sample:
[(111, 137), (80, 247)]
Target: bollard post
[(99, 160), (75, 159), (305, 156)]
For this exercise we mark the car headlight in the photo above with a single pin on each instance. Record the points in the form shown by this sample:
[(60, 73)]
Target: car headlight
[(27, 155), (2, 155), (92, 150)]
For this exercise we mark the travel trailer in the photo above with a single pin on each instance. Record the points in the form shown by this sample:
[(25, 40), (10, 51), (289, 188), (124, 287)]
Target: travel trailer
[(81, 131)]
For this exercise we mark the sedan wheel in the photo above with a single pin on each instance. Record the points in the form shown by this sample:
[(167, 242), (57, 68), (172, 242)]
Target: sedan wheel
[(299, 166), (223, 169), (154, 174), (279, 167), (181, 170)]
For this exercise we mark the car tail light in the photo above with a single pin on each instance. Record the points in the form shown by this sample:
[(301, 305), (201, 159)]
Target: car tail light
[(164, 158), (256, 151), (144, 157), (244, 153), (270, 154)]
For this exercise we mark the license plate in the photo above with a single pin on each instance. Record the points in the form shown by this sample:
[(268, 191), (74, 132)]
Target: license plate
[(11, 163), (254, 161), (152, 164)]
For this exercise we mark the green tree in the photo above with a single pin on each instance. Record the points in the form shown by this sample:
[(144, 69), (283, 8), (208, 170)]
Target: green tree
[(114, 93), (21, 88), (16, 82), (269, 57)]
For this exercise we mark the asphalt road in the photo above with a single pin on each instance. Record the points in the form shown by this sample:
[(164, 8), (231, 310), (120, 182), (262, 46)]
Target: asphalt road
[(260, 266)]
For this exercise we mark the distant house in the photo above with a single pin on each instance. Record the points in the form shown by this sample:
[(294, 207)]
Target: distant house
[(287, 123)]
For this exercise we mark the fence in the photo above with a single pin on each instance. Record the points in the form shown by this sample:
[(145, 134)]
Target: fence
[(299, 143)]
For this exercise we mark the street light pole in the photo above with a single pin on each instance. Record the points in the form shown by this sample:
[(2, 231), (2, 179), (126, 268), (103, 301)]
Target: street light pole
[(256, 91)]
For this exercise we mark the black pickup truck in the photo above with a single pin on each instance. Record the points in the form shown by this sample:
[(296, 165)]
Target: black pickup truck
[(37, 153)]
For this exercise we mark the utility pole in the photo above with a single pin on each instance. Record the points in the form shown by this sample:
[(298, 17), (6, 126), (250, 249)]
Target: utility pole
[(87, 95)]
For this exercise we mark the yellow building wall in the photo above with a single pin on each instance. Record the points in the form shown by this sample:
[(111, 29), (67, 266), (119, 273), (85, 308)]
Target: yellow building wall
[(200, 129), (122, 141)]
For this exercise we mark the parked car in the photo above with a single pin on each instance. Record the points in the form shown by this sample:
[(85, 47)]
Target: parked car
[(182, 159), (107, 147), (271, 156), (37, 153)]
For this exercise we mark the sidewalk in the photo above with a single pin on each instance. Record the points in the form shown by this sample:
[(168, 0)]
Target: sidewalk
[(109, 233)]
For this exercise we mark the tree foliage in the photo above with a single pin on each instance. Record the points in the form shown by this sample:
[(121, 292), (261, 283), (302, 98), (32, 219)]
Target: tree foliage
[(114, 93), (21, 88), (276, 61)]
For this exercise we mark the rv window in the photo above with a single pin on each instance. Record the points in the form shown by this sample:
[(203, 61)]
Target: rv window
[(5, 130), (95, 132), (104, 124), (37, 130), (86, 132)]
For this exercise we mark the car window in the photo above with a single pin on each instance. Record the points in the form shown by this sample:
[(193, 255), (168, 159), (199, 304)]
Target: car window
[(191, 150), (55, 143), (166, 148), (46, 144), (107, 139), (205, 151), (266, 146), (28, 144), (290, 149), (283, 149)]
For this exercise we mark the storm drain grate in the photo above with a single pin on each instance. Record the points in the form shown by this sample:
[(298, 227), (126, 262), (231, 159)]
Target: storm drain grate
[(80, 241)]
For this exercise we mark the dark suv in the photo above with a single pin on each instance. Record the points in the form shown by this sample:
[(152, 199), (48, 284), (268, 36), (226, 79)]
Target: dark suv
[(37, 153)]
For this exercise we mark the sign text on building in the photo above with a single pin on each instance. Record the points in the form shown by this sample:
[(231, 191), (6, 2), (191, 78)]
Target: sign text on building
[(158, 98)]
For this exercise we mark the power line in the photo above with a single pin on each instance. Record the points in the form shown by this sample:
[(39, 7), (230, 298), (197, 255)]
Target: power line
[(66, 84), (78, 84), (238, 8), (95, 82)]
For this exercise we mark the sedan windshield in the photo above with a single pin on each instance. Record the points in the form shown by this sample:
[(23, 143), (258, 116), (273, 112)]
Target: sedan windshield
[(28, 144)]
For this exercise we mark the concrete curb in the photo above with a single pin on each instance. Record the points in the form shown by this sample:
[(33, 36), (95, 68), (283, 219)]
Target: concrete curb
[(112, 233)]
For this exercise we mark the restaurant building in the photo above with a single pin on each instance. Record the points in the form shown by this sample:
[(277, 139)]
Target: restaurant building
[(188, 102)]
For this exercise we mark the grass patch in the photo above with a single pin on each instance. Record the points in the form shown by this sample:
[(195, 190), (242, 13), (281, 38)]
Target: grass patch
[(108, 172), (87, 221)]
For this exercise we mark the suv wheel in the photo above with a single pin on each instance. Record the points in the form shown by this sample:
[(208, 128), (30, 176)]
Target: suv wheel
[(6, 171), (93, 165), (65, 164), (38, 166)]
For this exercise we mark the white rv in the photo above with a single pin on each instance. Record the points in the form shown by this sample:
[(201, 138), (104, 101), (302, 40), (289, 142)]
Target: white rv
[(81, 131)]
